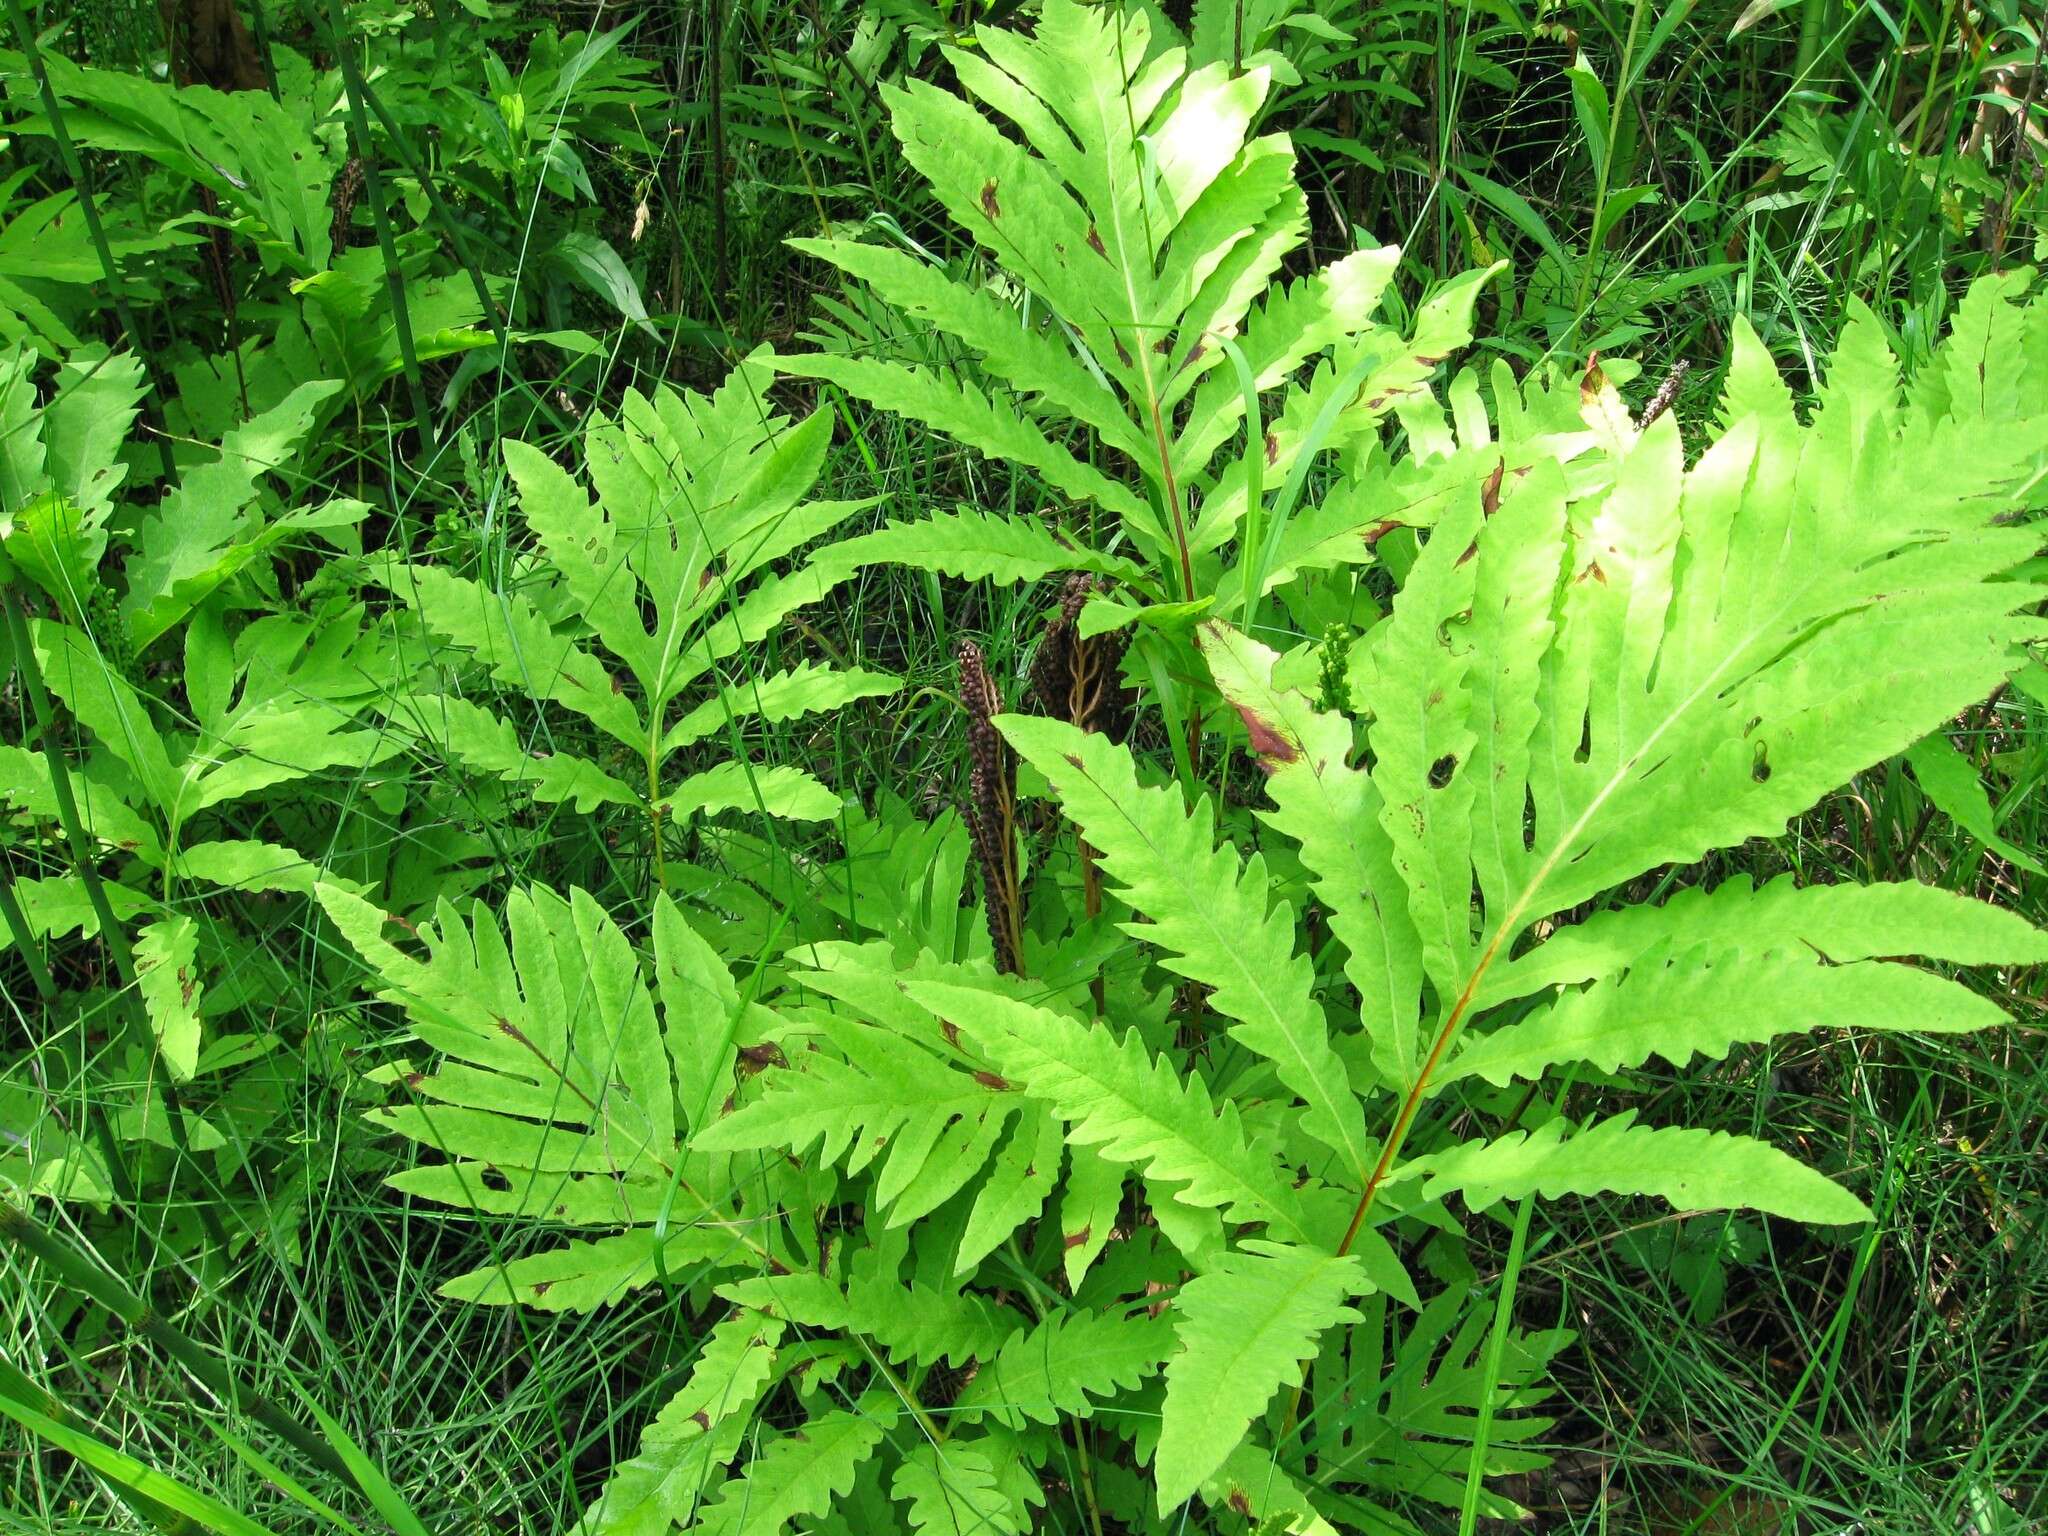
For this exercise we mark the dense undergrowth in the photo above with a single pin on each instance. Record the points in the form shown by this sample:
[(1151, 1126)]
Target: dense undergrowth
[(1081, 768)]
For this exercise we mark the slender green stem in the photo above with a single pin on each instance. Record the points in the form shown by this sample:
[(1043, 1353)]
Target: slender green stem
[(24, 941), (1496, 1347), (72, 1270), (373, 190), (259, 23), (17, 1386)]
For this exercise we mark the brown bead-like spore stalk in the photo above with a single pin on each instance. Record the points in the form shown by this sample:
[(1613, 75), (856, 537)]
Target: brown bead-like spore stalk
[(992, 807)]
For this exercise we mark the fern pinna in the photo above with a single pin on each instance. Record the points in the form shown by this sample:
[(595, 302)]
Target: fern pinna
[(963, 1244), (671, 573), (1131, 345)]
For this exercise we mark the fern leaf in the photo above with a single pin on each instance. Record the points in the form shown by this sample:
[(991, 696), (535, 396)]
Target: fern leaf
[(1117, 1097), (964, 412), (1210, 914), (978, 546), (581, 543), (1399, 1398), (478, 739), (701, 1011), (804, 689), (699, 1430), (801, 1472), (781, 791), (167, 975), (554, 1197), (1021, 1175), (1251, 1482), (1244, 1331), (558, 1063), (512, 640), (1423, 720), (1031, 360), (1293, 324), (1089, 1204), (1331, 810), (1835, 924), (1060, 1366), (951, 1489), (1693, 1169), (582, 1276), (927, 1128), (1678, 998)]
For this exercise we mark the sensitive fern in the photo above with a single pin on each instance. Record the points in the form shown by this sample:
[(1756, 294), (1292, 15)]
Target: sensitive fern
[(1193, 1194), (1161, 373), (672, 575)]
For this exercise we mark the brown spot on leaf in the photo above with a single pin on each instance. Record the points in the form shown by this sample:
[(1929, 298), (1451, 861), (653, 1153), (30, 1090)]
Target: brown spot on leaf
[(1272, 450), (1076, 1239), (1489, 493), (1123, 356), (992, 1082), (951, 1031), (1379, 531), (414, 1079), (1074, 762), (1095, 243), (1240, 1503), (766, 1054), (541, 1288), (1594, 573), (989, 205), (702, 1420), (1272, 748)]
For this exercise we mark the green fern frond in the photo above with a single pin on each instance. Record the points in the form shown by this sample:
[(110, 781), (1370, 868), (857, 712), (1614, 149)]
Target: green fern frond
[(1244, 1331), (1693, 1169)]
